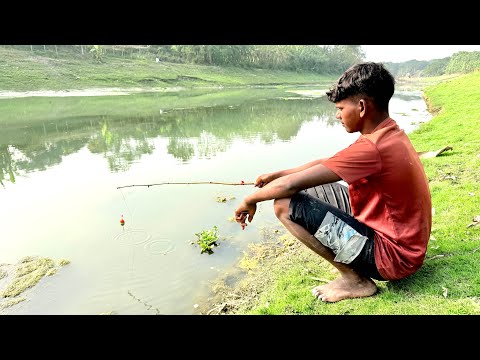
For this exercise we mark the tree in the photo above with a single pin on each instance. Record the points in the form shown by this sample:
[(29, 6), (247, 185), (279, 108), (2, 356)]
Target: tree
[(97, 52)]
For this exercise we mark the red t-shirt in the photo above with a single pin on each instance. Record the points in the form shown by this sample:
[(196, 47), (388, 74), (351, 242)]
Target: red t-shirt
[(389, 192)]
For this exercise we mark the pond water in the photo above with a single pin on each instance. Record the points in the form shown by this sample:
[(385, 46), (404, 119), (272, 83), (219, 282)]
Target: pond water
[(62, 160)]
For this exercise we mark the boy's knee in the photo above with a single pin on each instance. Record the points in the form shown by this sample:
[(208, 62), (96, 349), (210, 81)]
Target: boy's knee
[(280, 207)]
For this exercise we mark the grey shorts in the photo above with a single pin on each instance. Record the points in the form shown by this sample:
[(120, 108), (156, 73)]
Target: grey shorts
[(325, 212)]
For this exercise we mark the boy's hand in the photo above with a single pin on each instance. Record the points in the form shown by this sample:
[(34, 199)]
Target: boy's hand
[(263, 180), (241, 219), (245, 212)]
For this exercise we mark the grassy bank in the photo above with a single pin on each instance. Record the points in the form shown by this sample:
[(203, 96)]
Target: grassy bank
[(22, 70), (281, 271)]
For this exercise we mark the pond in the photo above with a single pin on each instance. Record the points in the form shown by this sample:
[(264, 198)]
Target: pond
[(66, 162)]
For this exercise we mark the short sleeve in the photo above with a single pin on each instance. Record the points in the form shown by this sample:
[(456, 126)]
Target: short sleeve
[(359, 160)]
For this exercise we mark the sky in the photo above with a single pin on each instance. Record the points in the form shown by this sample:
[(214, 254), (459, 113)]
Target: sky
[(401, 53)]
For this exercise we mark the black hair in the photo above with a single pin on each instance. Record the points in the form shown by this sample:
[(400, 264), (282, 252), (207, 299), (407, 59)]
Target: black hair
[(370, 79)]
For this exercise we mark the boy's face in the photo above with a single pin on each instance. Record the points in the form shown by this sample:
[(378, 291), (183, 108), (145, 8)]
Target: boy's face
[(348, 112)]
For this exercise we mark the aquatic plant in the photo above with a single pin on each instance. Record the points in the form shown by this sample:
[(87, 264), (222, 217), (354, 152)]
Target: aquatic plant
[(206, 239)]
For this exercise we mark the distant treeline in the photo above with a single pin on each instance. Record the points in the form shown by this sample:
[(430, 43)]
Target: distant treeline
[(323, 59), (460, 62)]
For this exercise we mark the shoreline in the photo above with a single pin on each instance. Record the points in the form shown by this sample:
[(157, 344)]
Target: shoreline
[(9, 94), (116, 91)]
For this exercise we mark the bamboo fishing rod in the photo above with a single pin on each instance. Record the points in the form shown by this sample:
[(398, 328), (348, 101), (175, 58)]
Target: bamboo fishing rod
[(190, 183)]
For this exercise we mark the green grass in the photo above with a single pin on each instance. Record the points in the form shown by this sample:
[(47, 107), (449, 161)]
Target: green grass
[(449, 281), (21, 70)]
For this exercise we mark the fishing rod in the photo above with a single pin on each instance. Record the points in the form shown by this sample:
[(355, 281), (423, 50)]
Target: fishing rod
[(190, 183)]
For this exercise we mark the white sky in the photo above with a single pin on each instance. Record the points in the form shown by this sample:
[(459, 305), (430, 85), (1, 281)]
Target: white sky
[(401, 53)]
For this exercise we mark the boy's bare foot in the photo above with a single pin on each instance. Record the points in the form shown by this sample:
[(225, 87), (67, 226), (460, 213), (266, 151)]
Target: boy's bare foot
[(343, 288)]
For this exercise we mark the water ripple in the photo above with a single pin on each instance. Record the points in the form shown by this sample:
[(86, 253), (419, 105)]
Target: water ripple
[(133, 237), (159, 247)]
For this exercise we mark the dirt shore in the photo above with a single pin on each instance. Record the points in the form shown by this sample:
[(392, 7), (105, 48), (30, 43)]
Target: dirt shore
[(6, 94)]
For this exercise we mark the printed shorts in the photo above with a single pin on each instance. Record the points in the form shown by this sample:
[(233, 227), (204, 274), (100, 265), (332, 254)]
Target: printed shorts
[(325, 212)]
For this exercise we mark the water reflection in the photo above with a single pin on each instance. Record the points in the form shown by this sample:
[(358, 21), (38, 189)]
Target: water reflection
[(35, 144)]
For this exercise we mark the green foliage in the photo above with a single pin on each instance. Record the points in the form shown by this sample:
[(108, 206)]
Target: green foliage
[(459, 63), (332, 59), (206, 239), (463, 62), (412, 68), (436, 67)]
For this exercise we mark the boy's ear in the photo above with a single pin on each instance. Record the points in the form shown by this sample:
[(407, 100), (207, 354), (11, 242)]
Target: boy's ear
[(362, 104)]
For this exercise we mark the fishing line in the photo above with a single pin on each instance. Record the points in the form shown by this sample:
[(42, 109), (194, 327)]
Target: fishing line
[(133, 237), (126, 205), (129, 234)]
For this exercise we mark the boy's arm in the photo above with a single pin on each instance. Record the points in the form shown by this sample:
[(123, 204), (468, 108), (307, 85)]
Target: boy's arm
[(264, 179), (283, 187), (304, 166)]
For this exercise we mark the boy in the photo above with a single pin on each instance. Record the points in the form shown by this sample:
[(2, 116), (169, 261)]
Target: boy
[(377, 228)]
